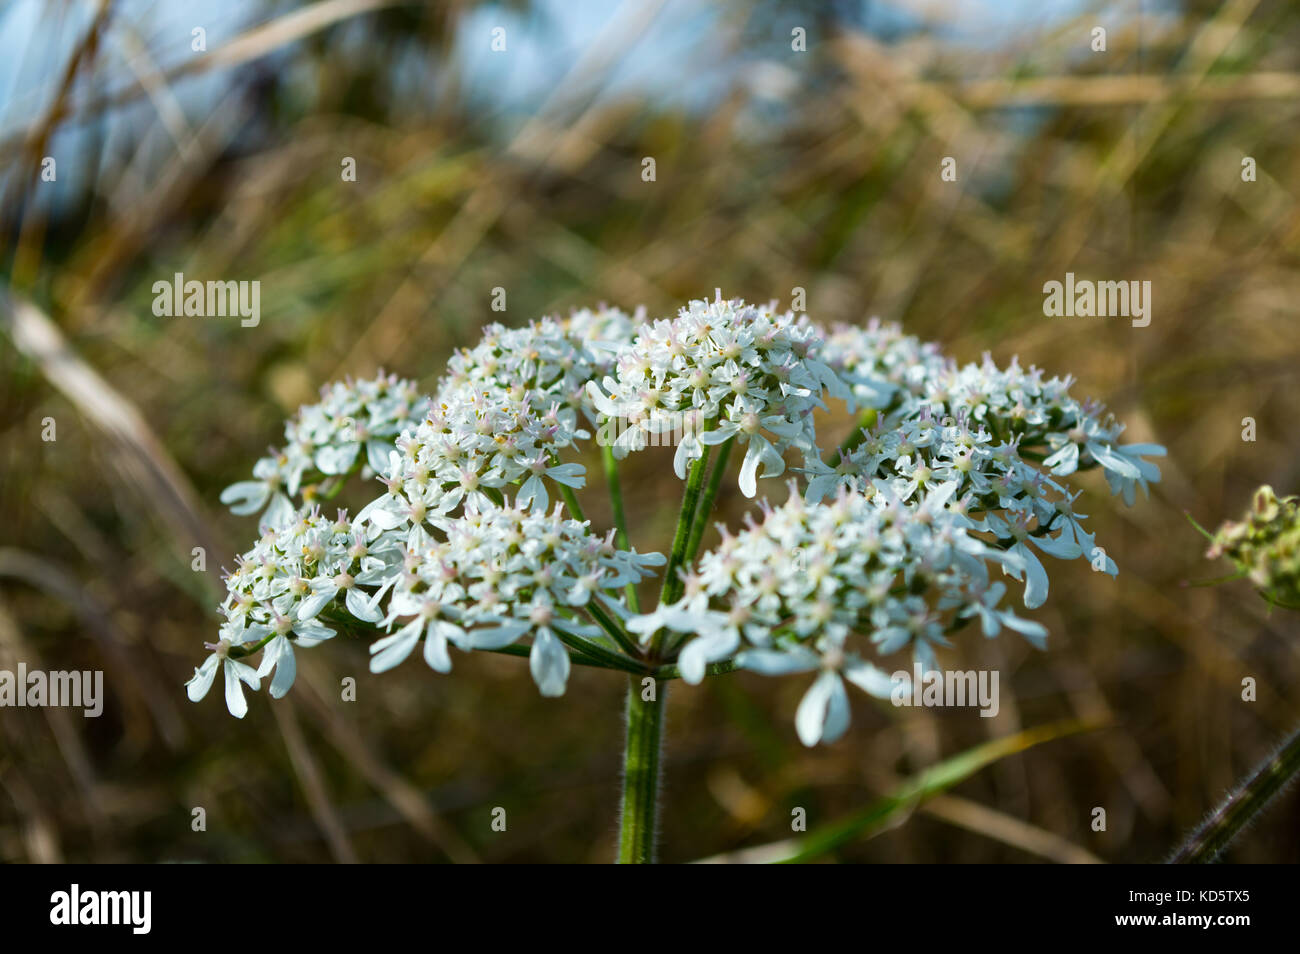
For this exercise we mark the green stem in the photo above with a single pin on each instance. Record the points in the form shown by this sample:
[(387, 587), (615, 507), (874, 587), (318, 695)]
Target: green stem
[(1234, 815), (672, 588), (524, 651), (600, 654), (700, 522), (645, 718), (640, 808), (712, 669), (612, 627), (571, 501), (620, 515), (241, 650)]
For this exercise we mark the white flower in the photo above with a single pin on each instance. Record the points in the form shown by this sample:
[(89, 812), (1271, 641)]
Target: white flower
[(235, 673), (503, 417), (719, 371), (812, 586), (823, 713), (325, 439), (503, 574)]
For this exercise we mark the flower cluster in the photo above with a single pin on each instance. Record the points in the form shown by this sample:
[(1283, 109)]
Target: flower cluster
[(890, 544), (502, 574), (810, 586), (720, 370), (326, 441), (1265, 546), (881, 366), (502, 417), (278, 594), (999, 441), (489, 579)]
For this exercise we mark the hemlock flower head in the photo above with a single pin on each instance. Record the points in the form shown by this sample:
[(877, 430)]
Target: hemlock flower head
[(824, 586), (879, 364), (719, 371), (502, 418), (500, 575), (352, 428), (956, 481), (1000, 439)]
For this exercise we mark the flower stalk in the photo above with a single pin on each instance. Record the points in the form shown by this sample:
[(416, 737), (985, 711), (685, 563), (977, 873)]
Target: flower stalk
[(639, 819), (672, 587), (701, 520)]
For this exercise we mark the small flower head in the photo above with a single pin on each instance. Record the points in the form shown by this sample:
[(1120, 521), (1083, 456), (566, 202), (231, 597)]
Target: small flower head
[(1265, 546)]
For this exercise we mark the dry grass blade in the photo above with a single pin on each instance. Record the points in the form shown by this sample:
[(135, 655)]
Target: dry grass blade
[(405, 798), (144, 462), (313, 784), (1000, 826)]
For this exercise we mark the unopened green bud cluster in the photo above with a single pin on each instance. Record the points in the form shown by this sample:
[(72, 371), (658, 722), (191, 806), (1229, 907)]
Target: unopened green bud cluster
[(1265, 546)]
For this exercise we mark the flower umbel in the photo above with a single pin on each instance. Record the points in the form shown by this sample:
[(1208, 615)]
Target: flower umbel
[(957, 476)]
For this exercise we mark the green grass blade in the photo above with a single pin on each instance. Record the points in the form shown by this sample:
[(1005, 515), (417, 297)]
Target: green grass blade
[(926, 784)]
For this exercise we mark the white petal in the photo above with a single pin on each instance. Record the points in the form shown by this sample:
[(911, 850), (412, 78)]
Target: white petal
[(705, 649), (198, 685), (337, 459), (810, 720), (392, 650), (1065, 461), (235, 674), (873, 681), (322, 591), (285, 670), (280, 513), (1111, 460), (435, 648), (245, 497), (496, 637), (359, 605), (778, 662), (1035, 577), (549, 663), (571, 475), (377, 455), (749, 470), (598, 399)]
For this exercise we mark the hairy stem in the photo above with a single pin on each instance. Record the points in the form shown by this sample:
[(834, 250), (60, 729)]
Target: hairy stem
[(645, 717), (640, 809), (1234, 815)]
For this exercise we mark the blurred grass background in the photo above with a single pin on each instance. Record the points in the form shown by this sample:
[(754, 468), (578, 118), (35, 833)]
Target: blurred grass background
[(775, 169)]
